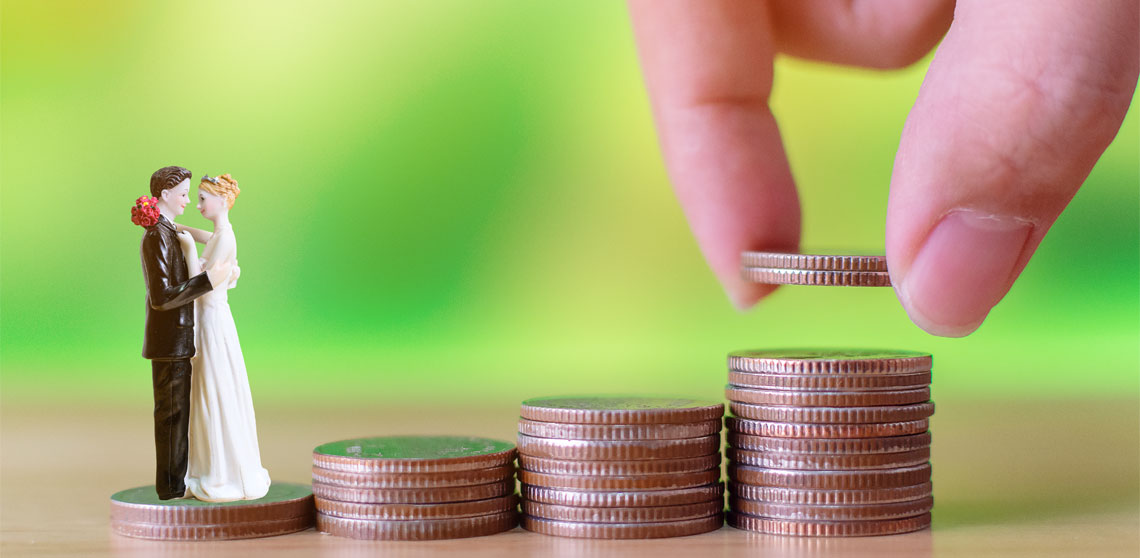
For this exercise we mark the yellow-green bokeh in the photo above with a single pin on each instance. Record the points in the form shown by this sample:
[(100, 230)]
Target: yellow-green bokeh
[(464, 200)]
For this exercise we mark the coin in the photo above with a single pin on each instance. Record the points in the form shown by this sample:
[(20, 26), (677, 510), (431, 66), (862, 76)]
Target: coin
[(620, 468), (413, 454), (399, 512), (830, 480), (332, 477), (798, 361), (827, 528), (830, 382), (226, 531), (419, 530), (799, 496), (776, 276), (814, 262), (667, 481), (831, 462), (652, 514), (666, 431), (797, 430), (622, 530), (862, 512), (141, 506), (826, 398), (414, 495), (848, 446), (623, 499), (620, 409), (833, 415), (589, 450)]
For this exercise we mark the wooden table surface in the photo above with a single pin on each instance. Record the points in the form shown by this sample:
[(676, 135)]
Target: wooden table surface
[(1012, 478)]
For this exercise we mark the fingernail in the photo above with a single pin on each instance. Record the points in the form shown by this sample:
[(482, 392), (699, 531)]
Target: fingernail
[(962, 270)]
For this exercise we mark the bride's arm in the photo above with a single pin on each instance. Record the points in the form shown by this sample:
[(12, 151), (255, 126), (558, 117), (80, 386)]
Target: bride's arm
[(198, 234), (189, 253)]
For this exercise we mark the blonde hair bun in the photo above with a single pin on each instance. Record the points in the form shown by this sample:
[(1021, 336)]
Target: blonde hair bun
[(226, 187)]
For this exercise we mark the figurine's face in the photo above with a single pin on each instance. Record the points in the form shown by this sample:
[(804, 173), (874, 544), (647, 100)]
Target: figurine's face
[(210, 205), (176, 198)]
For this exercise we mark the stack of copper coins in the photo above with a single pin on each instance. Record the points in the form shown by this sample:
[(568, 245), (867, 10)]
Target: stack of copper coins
[(829, 442), (620, 467), (415, 487)]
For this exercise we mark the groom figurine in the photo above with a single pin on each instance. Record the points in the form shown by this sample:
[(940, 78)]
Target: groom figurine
[(169, 339)]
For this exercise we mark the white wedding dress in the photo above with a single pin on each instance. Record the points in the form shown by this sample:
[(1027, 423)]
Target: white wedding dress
[(225, 461)]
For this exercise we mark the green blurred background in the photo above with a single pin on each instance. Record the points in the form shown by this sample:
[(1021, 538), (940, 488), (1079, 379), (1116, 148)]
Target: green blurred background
[(461, 201)]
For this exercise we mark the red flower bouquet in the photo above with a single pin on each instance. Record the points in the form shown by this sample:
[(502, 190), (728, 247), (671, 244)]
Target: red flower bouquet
[(145, 211)]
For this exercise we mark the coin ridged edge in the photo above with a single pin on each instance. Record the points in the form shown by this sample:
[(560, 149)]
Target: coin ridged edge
[(768, 362), (627, 450), (644, 514), (414, 495), (814, 262), (701, 413), (618, 468), (206, 516), (776, 276), (802, 430), (405, 512), (755, 396), (829, 462), (448, 479), (218, 532), (816, 497), (862, 512), (417, 530), (833, 415), (830, 480), (770, 526), (619, 432), (626, 499), (665, 529), (869, 383), (607, 483), (844, 446), (380, 465)]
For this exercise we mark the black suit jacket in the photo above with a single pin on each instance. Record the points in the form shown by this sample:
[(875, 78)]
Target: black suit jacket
[(169, 294)]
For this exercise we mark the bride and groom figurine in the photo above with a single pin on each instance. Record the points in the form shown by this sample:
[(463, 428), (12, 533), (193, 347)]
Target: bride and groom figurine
[(204, 429)]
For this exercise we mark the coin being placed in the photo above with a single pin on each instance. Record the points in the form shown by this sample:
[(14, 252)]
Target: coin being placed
[(620, 409), (332, 477), (659, 530), (618, 468), (754, 396), (863, 512), (628, 450), (622, 499), (649, 514), (842, 446), (667, 481), (413, 454), (420, 530), (798, 430), (833, 415), (834, 260), (828, 462), (830, 480), (827, 528), (830, 382), (829, 361), (775, 276), (615, 432)]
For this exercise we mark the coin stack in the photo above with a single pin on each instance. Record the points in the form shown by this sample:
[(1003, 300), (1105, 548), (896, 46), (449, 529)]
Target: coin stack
[(620, 467), (847, 270), (829, 442), (415, 487)]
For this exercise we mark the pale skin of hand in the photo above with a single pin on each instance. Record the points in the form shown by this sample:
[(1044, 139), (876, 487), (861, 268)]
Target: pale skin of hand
[(1021, 99)]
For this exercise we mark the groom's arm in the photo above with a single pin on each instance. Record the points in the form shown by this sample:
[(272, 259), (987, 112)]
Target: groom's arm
[(162, 292)]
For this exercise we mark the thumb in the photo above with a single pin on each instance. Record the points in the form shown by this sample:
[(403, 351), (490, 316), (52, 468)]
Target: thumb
[(1019, 103)]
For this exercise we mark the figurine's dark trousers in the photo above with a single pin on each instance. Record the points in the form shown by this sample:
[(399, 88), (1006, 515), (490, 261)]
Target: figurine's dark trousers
[(171, 425)]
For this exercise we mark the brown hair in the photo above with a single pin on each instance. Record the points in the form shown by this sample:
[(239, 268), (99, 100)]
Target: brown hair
[(167, 178), (226, 187)]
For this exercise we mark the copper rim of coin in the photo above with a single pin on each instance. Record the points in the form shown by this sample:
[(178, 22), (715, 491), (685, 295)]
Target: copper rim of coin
[(826, 398), (404, 512), (801, 362), (414, 495), (207, 516), (863, 512), (659, 530), (829, 462), (218, 532), (776, 276), (640, 410), (830, 480), (848, 446), (650, 514), (833, 415), (412, 480), (619, 432), (394, 466), (801, 430), (418, 530), (606, 483), (627, 450), (835, 382), (827, 528), (624, 499), (809, 497), (620, 468), (814, 262)]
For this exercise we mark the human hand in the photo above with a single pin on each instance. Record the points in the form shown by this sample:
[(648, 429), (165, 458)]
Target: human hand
[(1019, 102), (185, 239)]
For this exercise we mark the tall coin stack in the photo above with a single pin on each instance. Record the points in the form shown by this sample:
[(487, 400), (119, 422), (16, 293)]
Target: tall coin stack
[(620, 467), (829, 442), (415, 487)]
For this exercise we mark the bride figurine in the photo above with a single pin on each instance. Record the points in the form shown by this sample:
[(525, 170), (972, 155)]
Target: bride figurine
[(224, 458)]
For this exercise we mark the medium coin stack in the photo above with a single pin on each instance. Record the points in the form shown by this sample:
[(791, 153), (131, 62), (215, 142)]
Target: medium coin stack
[(620, 467), (847, 270), (415, 487), (829, 442)]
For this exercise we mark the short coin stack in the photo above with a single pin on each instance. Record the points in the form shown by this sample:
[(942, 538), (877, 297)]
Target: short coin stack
[(415, 487), (620, 467), (829, 442)]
